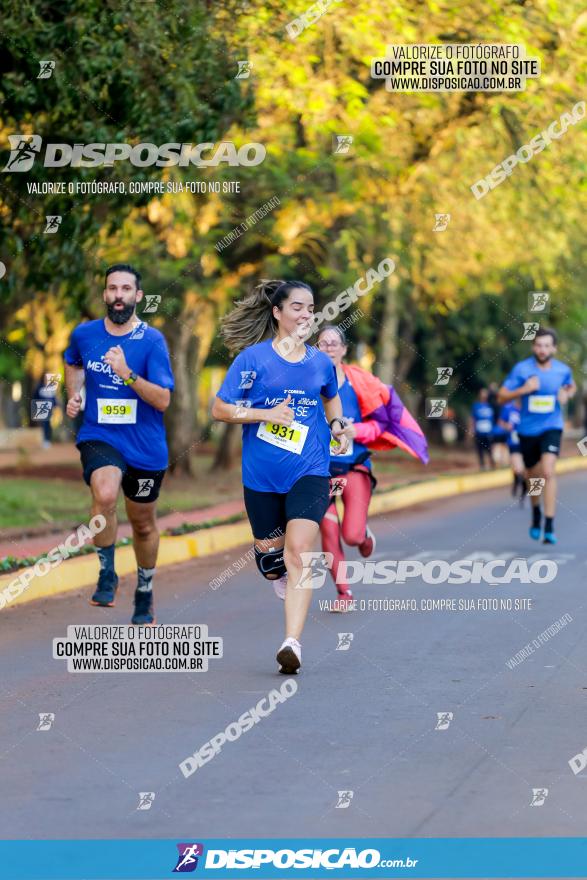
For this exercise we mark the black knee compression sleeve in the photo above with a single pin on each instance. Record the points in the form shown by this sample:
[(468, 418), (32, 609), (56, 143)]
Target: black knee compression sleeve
[(270, 563)]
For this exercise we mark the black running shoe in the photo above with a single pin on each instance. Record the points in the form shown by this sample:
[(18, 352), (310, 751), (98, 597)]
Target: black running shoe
[(105, 590), (143, 615)]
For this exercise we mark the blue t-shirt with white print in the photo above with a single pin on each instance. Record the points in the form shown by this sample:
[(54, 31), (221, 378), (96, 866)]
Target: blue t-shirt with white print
[(275, 456), (541, 410), (114, 413)]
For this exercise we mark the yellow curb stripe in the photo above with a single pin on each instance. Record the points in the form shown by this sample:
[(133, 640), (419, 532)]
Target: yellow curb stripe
[(76, 573)]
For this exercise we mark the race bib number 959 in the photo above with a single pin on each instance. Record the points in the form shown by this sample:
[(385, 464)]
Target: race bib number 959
[(289, 437), (117, 412)]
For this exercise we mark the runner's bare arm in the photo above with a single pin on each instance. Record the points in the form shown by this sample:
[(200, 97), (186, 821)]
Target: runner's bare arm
[(504, 395), (282, 414), (333, 410), (155, 395), (74, 380)]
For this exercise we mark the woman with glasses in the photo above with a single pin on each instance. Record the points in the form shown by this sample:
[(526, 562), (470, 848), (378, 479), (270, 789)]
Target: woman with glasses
[(375, 419), (284, 393)]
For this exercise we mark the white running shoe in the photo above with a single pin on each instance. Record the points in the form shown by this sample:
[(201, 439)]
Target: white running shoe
[(279, 586), (289, 657)]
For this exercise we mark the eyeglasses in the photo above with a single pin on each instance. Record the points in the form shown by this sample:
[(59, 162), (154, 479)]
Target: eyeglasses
[(329, 344)]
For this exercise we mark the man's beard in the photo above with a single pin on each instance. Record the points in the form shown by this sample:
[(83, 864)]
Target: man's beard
[(120, 316), (543, 358)]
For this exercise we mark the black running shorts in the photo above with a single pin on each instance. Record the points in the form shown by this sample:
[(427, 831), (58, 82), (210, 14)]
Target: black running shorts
[(270, 512), (138, 485), (533, 448)]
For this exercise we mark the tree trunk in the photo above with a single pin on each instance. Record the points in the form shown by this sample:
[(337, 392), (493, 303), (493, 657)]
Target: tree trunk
[(388, 333), (227, 452), (180, 418)]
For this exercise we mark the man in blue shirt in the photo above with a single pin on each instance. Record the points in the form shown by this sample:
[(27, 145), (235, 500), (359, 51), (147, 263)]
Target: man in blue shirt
[(544, 385), (128, 382)]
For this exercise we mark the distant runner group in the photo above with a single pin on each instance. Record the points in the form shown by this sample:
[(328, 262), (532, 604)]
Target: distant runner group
[(309, 420)]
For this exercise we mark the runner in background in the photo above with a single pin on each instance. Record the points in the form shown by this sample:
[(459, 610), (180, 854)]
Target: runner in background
[(376, 418), (509, 421), (285, 395), (544, 385), (481, 426), (128, 382)]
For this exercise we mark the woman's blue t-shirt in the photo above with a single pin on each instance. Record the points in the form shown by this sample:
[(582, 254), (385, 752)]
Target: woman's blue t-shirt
[(276, 457)]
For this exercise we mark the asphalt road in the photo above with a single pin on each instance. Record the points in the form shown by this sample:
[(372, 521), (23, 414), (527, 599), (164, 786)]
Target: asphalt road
[(362, 720)]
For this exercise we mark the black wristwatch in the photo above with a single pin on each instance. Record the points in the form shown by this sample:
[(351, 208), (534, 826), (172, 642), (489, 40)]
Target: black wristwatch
[(131, 379), (341, 422)]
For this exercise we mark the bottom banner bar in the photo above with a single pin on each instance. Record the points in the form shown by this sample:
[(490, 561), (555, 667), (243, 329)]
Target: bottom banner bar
[(273, 858)]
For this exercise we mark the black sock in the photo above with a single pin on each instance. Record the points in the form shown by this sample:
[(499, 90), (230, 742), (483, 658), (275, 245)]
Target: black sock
[(536, 517), (106, 557), (145, 579), (549, 523)]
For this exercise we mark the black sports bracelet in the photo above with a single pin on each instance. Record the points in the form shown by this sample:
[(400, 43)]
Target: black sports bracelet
[(341, 422)]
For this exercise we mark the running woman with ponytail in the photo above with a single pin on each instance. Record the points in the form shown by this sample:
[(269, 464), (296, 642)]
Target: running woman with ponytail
[(376, 418), (285, 394)]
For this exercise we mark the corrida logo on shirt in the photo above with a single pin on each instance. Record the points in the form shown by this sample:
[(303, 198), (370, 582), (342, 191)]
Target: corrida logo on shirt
[(102, 367), (299, 405)]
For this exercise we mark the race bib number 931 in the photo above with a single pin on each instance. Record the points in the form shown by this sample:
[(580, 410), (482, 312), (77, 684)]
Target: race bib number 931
[(289, 437)]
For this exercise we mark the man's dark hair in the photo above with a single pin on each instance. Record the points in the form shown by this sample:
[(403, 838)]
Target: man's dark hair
[(547, 331), (123, 267)]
